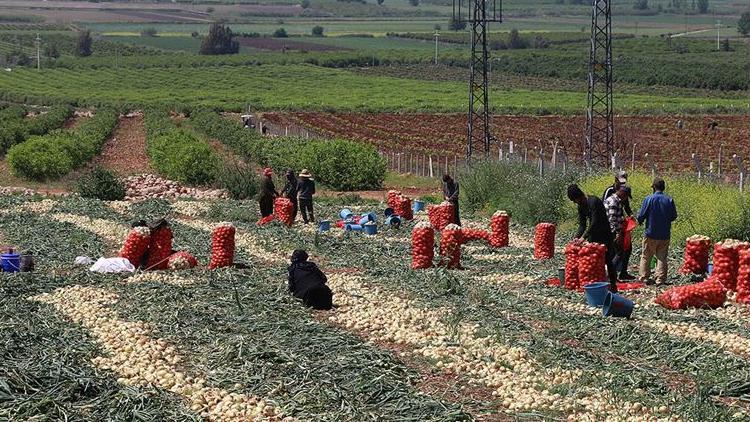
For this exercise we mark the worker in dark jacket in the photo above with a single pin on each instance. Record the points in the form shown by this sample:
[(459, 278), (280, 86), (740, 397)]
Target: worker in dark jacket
[(593, 226), (450, 193), (267, 193), (623, 261), (308, 283), (290, 192), (305, 192)]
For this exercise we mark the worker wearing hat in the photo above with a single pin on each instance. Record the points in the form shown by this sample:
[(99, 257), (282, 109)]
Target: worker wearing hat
[(305, 192), (267, 193), (621, 178)]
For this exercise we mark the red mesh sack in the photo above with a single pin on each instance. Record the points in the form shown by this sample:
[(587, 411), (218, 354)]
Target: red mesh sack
[(422, 246), (571, 266), (159, 248), (136, 245), (392, 197), (471, 234), (727, 262), (544, 241), (743, 278), (697, 253), (499, 226), (450, 246), (181, 260), (591, 264), (282, 208), (441, 215), (403, 208), (222, 246), (706, 294), (266, 220)]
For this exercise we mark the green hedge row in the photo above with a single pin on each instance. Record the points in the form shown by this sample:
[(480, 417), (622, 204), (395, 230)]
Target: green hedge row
[(14, 129), (177, 153), (60, 152), (339, 164)]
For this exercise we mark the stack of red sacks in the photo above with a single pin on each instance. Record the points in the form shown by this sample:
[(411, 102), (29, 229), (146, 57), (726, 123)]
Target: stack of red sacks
[(571, 266), (727, 262), (422, 246), (697, 253), (500, 227), (282, 208), (450, 246), (743, 278), (222, 246), (441, 215), (592, 258), (706, 294), (544, 241)]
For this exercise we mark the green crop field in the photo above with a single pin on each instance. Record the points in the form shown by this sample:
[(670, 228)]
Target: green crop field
[(304, 87)]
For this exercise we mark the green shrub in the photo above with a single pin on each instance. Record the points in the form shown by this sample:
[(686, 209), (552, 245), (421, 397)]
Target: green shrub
[(181, 156), (57, 153), (714, 210), (343, 165), (240, 181), (101, 184), (39, 159), (517, 188)]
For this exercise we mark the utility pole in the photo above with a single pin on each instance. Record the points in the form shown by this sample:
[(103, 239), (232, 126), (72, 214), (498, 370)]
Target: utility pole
[(437, 34), (718, 35), (38, 52)]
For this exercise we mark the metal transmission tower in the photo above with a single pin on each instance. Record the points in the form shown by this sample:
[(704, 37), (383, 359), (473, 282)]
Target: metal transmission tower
[(478, 14), (600, 146)]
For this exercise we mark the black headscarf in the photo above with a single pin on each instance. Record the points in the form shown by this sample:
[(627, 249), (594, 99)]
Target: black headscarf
[(299, 256)]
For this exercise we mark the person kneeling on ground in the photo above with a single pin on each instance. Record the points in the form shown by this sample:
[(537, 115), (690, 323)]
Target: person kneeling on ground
[(308, 283)]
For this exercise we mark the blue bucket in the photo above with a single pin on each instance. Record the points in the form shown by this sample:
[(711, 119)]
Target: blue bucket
[(346, 214), (418, 205), (617, 306), (371, 229), (353, 227), (366, 218), (324, 226), (388, 212), (11, 262), (710, 267), (596, 293), (393, 220)]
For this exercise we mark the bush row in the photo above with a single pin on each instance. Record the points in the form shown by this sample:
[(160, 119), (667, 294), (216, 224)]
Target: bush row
[(339, 164), (14, 130), (60, 152), (179, 154)]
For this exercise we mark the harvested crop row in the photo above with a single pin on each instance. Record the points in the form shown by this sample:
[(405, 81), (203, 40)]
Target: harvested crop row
[(110, 231), (160, 277), (141, 360)]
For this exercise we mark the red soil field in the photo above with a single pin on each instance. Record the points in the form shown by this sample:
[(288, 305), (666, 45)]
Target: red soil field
[(444, 135)]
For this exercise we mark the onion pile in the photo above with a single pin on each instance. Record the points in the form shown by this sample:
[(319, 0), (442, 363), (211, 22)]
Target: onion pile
[(403, 208), (441, 215), (743, 279), (181, 260), (160, 248), (697, 252), (451, 238), (282, 208), (706, 294), (136, 245), (222, 246), (500, 226), (571, 266), (592, 258), (422, 246), (727, 262), (544, 241)]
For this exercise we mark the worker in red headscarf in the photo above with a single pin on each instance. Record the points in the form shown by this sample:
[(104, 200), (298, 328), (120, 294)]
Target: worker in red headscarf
[(267, 193)]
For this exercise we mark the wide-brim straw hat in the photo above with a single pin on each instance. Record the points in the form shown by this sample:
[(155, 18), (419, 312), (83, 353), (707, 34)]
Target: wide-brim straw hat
[(305, 173)]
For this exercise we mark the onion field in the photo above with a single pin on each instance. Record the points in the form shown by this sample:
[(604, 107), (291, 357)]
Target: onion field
[(490, 342)]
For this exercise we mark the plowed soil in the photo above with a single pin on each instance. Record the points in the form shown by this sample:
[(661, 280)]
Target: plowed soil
[(125, 151)]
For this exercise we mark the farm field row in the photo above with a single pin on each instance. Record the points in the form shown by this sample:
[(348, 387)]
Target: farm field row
[(506, 343), (444, 135), (303, 87)]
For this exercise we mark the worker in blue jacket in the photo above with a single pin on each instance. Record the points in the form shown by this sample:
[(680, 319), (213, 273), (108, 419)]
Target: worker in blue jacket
[(658, 212)]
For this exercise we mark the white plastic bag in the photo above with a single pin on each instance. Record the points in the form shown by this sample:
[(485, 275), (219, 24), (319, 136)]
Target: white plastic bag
[(112, 265), (83, 260)]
